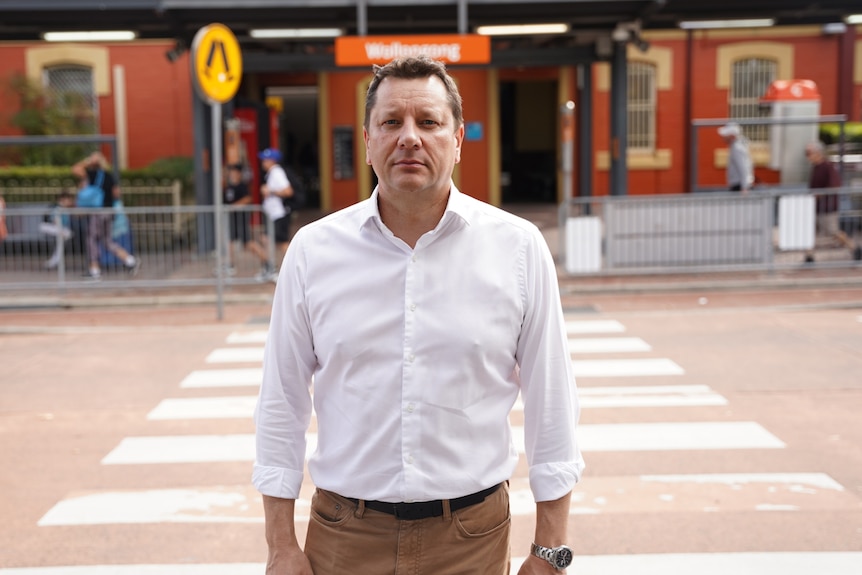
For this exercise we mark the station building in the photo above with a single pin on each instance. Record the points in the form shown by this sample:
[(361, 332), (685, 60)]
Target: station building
[(622, 81)]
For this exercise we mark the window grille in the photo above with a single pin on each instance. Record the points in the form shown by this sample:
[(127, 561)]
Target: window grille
[(72, 90), (749, 81), (641, 106)]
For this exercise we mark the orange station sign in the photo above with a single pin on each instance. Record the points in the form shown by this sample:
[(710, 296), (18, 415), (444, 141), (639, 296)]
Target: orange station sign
[(450, 48)]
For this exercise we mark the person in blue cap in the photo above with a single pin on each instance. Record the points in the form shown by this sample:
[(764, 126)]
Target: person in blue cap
[(275, 190)]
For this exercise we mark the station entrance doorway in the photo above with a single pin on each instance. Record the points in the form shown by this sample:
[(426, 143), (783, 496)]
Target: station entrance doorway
[(528, 146)]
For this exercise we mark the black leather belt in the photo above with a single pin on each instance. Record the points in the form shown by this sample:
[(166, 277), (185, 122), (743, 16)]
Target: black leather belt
[(426, 509)]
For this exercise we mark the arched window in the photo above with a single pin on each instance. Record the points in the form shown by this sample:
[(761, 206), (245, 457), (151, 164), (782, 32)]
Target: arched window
[(641, 106), (73, 95), (750, 77)]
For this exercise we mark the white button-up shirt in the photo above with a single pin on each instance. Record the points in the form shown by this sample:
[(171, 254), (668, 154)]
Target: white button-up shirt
[(417, 356)]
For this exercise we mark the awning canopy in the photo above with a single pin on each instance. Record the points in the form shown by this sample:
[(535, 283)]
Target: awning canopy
[(587, 19)]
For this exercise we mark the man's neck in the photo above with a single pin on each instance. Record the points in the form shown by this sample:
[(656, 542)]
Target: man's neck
[(409, 216)]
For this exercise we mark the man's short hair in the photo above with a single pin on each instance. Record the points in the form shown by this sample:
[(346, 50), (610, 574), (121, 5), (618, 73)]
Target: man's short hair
[(409, 69), (816, 146)]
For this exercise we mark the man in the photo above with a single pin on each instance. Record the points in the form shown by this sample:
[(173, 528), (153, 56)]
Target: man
[(825, 176), (236, 193), (421, 314), (740, 173), (274, 191)]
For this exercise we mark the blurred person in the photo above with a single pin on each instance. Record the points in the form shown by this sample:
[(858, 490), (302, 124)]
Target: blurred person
[(99, 225), (236, 193), (3, 230), (825, 176), (416, 317), (58, 225), (276, 191), (740, 171)]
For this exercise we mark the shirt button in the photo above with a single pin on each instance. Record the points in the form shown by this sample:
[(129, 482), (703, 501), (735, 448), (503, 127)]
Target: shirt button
[(411, 357), (413, 258), (412, 307), (410, 459), (410, 407)]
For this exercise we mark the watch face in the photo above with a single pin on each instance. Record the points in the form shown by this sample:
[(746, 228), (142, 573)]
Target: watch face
[(563, 558)]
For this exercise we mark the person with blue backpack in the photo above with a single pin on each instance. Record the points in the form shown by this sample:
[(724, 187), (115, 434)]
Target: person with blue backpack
[(101, 191)]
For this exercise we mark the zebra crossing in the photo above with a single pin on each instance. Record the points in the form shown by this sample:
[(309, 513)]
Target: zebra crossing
[(601, 354)]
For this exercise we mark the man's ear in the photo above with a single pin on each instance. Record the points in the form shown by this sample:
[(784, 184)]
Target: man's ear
[(459, 140), (367, 147)]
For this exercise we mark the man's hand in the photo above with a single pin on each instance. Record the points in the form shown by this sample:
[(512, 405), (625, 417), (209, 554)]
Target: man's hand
[(535, 566), (285, 555), (289, 561)]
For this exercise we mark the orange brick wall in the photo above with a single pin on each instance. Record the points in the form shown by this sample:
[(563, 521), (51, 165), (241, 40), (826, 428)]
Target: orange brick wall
[(159, 103)]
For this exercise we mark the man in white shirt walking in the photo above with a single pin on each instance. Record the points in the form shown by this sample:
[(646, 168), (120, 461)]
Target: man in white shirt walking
[(420, 314), (740, 170), (274, 191)]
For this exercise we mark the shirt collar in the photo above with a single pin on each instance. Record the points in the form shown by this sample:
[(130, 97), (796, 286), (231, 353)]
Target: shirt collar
[(456, 208)]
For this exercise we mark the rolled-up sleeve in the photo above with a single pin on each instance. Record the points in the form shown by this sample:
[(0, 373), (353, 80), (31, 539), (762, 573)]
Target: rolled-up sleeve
[(548, 389), (284, 406)]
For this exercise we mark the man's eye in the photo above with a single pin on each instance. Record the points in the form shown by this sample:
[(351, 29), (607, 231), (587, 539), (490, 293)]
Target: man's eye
[(428, 123), (390, 122)]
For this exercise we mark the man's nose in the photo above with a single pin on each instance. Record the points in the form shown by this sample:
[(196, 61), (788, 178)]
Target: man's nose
[(409, 136)]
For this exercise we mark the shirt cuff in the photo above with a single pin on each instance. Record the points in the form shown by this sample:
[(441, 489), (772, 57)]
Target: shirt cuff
[(277, 481), (550, 481)]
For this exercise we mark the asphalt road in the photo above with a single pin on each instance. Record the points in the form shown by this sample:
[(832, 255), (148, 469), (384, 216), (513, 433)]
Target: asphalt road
[(721, 431)]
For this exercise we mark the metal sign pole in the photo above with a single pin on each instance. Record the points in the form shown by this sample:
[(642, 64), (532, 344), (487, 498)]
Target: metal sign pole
[(217, 64), (217, 202)]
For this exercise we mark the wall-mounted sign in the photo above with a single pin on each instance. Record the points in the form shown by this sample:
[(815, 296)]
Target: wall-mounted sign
[(449, 48), (342, 153), (473, 131), (217, 63)]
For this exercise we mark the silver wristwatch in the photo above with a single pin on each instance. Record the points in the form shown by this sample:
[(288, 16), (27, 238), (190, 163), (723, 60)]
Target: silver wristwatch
[(559, 557)]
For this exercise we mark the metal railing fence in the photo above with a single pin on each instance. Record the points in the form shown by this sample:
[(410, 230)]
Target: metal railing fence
[(762, 230), (175, 245)]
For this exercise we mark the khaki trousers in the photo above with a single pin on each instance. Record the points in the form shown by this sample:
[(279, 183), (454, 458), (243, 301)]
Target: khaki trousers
[(346, 538)]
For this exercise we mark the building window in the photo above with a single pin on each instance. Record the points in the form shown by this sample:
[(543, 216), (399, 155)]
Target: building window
[(641, 106), (749, 81), (72, 91)]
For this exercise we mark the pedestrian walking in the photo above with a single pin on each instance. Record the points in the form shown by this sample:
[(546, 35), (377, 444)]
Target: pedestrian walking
[(825, 177), (275, 191), (96, 170), (740, 170)]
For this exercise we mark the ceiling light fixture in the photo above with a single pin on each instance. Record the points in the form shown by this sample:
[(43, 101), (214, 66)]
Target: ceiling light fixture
[(520, 29), (854, 19), (287, 33), (716, 24), (90, 36)]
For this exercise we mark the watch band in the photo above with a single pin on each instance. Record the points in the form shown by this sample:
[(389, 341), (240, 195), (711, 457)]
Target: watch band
[(559, 557)]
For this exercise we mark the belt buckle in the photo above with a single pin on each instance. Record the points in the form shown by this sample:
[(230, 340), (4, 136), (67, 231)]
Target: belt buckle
[(414, 511)]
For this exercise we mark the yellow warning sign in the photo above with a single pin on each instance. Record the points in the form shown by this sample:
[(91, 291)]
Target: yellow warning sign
[(217, 63)]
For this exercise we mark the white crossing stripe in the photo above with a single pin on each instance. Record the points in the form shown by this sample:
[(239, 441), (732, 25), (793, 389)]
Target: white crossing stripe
[(710, 493), (594, 495), (594, 326), (205, 408), (234, 504), (625, 367), (257, 336), (644, 396), (785, 563), (590, 398), (236, 355), (650, 396), (223, 378), (607, 345), (598, 437), (676, 436), (182, 449)]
